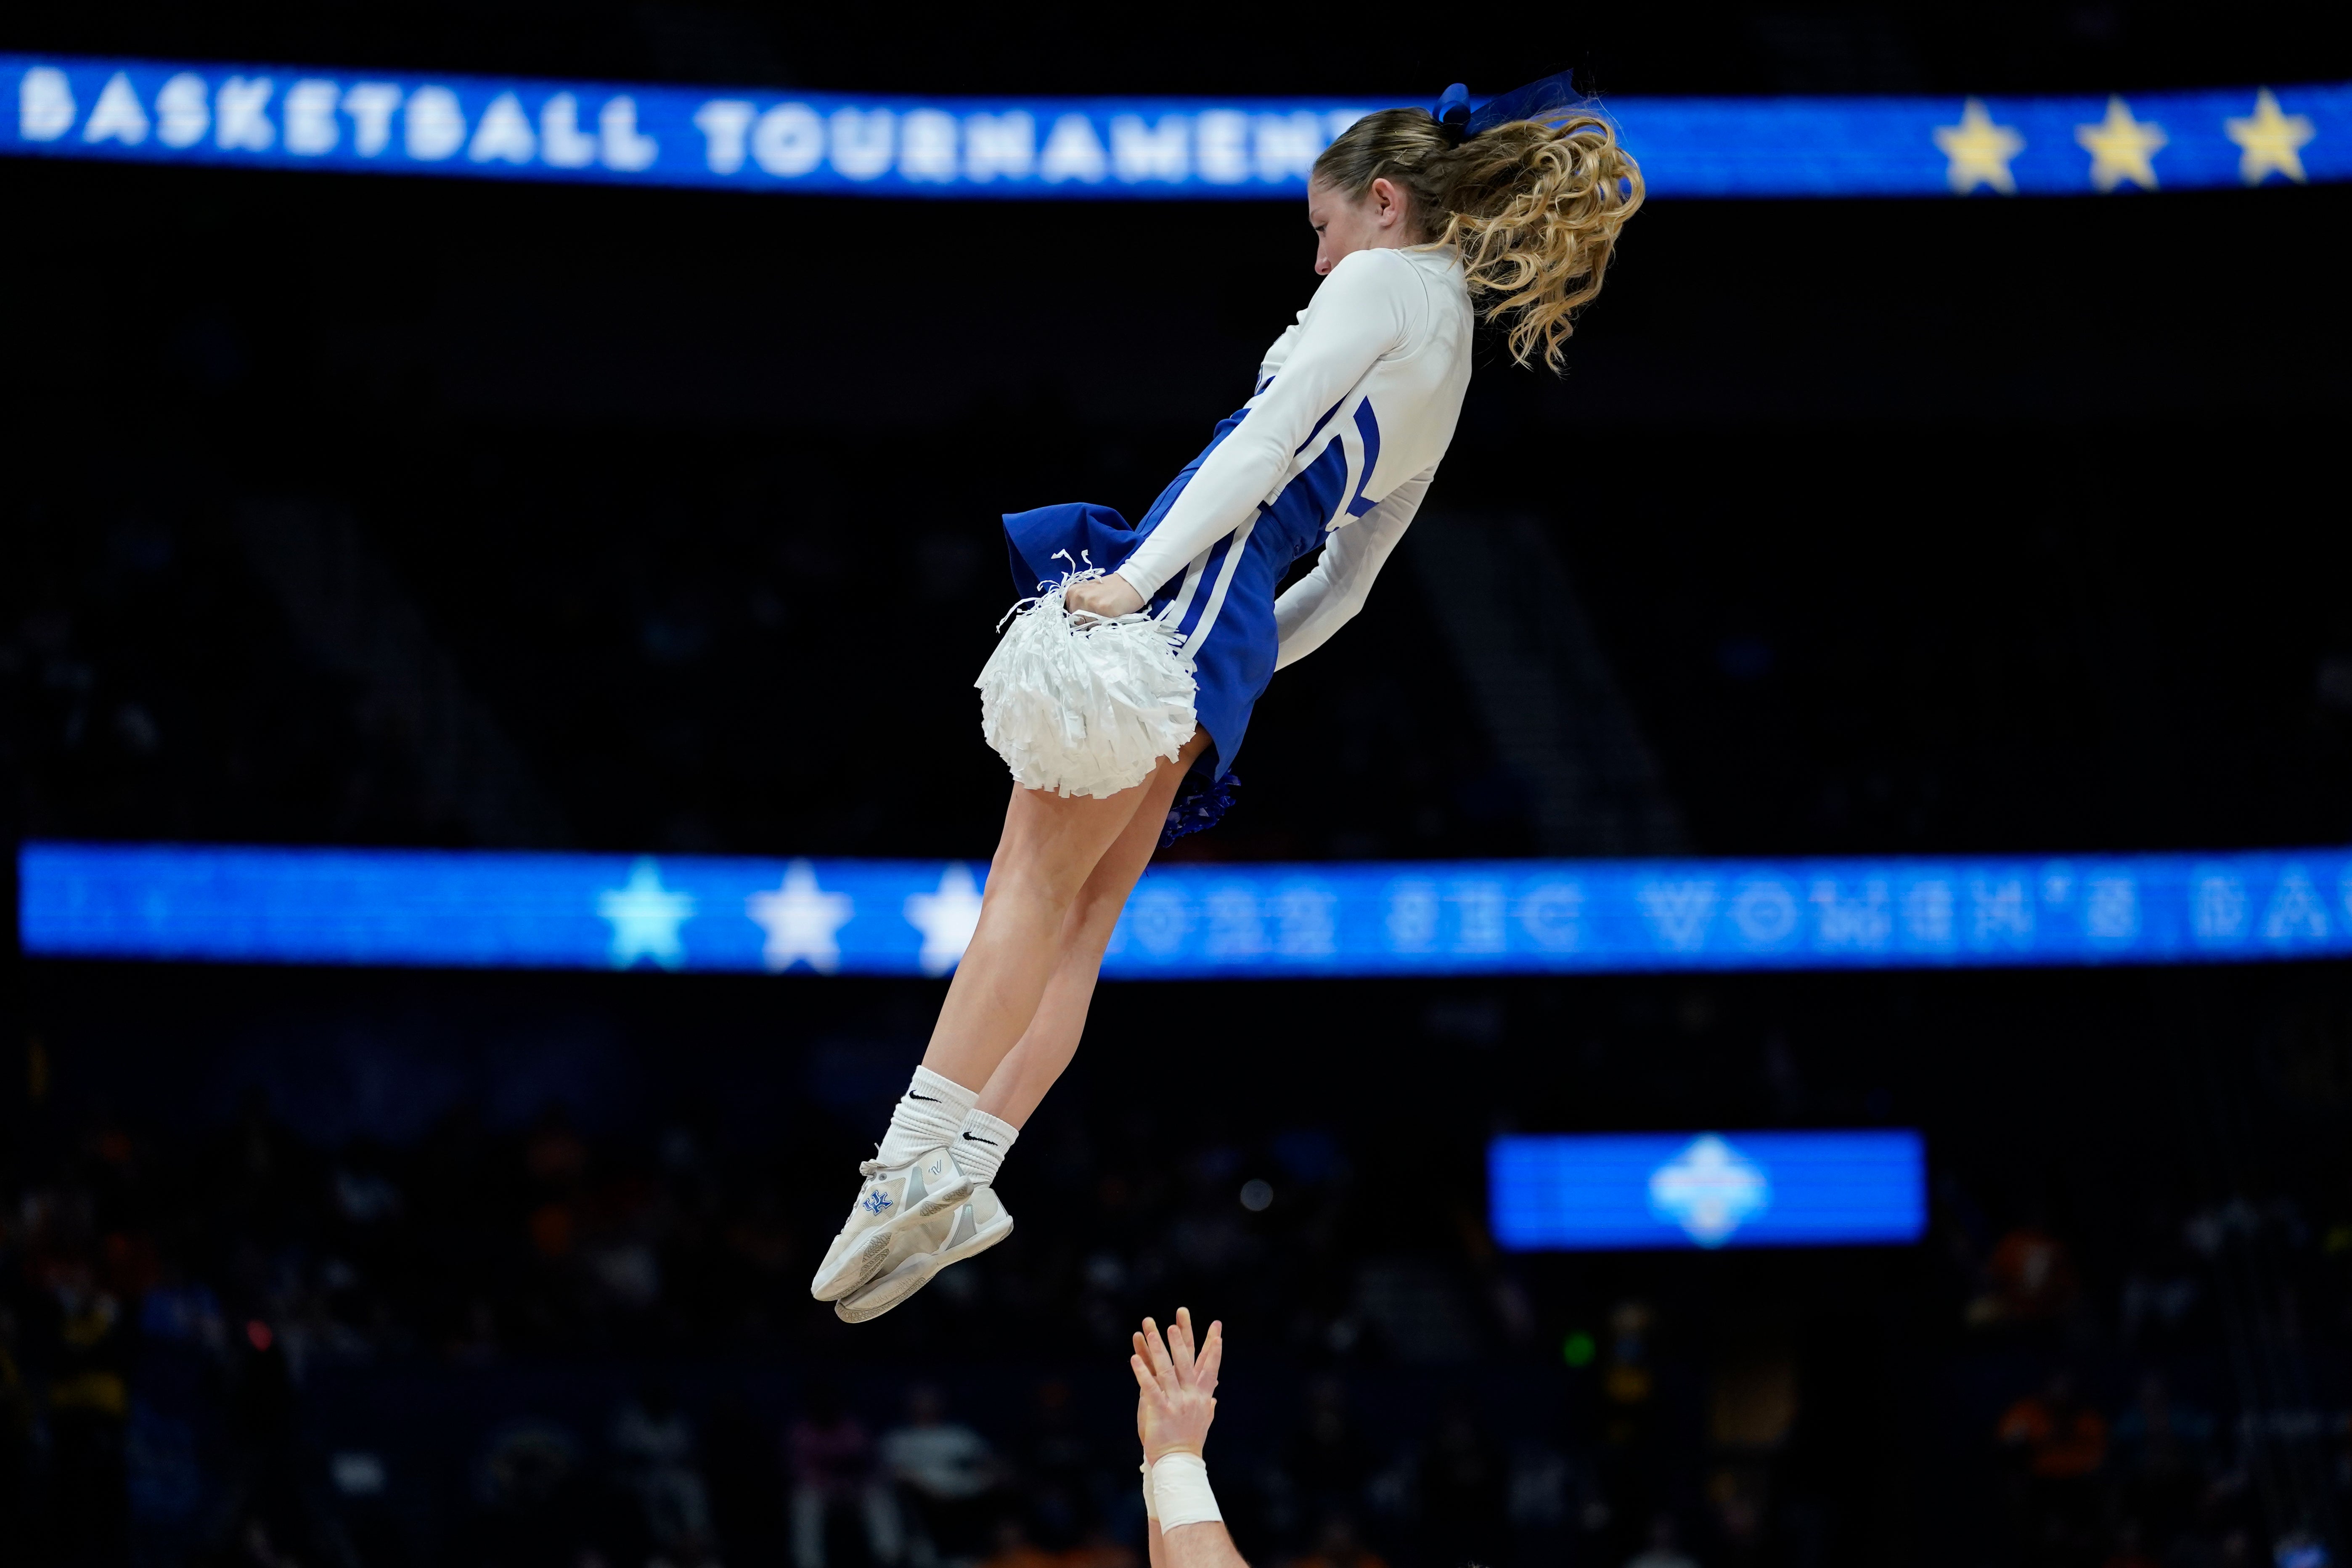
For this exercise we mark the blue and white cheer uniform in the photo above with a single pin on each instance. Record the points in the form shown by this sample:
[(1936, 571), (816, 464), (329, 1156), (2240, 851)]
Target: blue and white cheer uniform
[(1356, 404)]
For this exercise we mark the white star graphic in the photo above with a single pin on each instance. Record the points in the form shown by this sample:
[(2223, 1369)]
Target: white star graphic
[(1710, 1189), (2122, 148), (2268, 140), (802, 919), (946, 918), (645, 917), (1979, 151)]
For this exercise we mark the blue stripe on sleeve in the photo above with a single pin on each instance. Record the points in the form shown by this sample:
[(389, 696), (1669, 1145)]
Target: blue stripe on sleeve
[(1369, 426)]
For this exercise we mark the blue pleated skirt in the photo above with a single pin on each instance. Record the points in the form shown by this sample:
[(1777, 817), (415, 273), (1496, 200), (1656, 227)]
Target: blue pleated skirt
[(1227, 619)]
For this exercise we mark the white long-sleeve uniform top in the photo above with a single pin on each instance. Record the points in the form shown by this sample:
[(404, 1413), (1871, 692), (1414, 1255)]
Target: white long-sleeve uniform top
[(1378, 362)]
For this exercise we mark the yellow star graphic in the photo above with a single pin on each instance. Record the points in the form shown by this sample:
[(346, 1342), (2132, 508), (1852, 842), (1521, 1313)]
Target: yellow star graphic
[(2269, 141), (2122, 148), (1979, 151)]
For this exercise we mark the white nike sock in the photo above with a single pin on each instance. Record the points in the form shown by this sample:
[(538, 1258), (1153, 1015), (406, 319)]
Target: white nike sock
[(927, 1115), (983, 1145)]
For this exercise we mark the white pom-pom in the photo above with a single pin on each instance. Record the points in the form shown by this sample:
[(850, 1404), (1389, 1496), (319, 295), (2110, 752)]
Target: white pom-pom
[(1083, 705)]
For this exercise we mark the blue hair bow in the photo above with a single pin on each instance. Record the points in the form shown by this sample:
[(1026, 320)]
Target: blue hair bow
[(1548, 95)]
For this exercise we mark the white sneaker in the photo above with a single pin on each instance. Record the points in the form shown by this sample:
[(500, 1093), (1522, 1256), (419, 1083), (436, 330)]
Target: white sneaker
[(980, 1224), (888, 1220)]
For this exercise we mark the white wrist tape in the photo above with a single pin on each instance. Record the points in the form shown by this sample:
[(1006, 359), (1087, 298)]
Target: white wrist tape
[(1150, 1509), (1180, 1486)]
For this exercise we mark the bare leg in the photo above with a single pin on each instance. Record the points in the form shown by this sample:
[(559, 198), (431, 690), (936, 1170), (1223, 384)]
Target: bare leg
[(1049, 849), (1044, 1049)]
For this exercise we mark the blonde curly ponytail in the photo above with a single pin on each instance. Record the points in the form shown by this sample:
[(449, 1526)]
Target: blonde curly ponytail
[(1533, 206)]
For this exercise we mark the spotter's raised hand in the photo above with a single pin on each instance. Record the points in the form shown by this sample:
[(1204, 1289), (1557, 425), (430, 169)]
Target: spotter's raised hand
[(1176, 1380)]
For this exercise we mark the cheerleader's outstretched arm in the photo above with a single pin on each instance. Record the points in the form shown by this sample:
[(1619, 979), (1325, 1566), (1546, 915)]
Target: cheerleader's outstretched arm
[(1328, 598), (1362, 311)]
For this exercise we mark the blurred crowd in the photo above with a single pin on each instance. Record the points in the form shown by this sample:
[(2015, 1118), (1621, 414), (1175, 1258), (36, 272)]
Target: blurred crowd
[(537, 1346), (195, 1328), (2159, 1460)]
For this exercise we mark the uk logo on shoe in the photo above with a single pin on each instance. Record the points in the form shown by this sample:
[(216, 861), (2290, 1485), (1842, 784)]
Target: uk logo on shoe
[(875, 1202)]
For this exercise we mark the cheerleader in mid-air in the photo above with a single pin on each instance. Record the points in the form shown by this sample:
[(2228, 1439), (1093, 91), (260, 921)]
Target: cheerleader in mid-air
[(1119, 695)]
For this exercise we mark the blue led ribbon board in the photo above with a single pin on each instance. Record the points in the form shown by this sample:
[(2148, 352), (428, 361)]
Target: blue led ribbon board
[(1616, 1192), (495, 909), (765, 139)]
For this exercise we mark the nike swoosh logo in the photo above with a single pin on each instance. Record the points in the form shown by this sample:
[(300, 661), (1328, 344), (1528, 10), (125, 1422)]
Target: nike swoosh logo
[(932, 1097), (971, 1138)]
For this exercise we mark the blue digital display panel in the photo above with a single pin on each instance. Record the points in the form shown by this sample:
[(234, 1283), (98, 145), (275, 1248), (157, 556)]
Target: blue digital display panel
[(1623, 1192), (355, 121), (1187, 921)]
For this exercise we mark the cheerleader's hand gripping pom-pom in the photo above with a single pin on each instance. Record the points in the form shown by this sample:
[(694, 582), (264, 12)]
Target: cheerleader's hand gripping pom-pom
[(1082, 704)]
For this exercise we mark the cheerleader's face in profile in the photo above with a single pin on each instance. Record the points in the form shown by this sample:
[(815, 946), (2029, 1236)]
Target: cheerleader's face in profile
[(1379, 219)]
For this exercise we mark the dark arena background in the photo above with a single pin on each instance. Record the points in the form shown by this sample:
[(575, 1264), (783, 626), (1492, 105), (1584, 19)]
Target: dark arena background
[(659, 524)]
